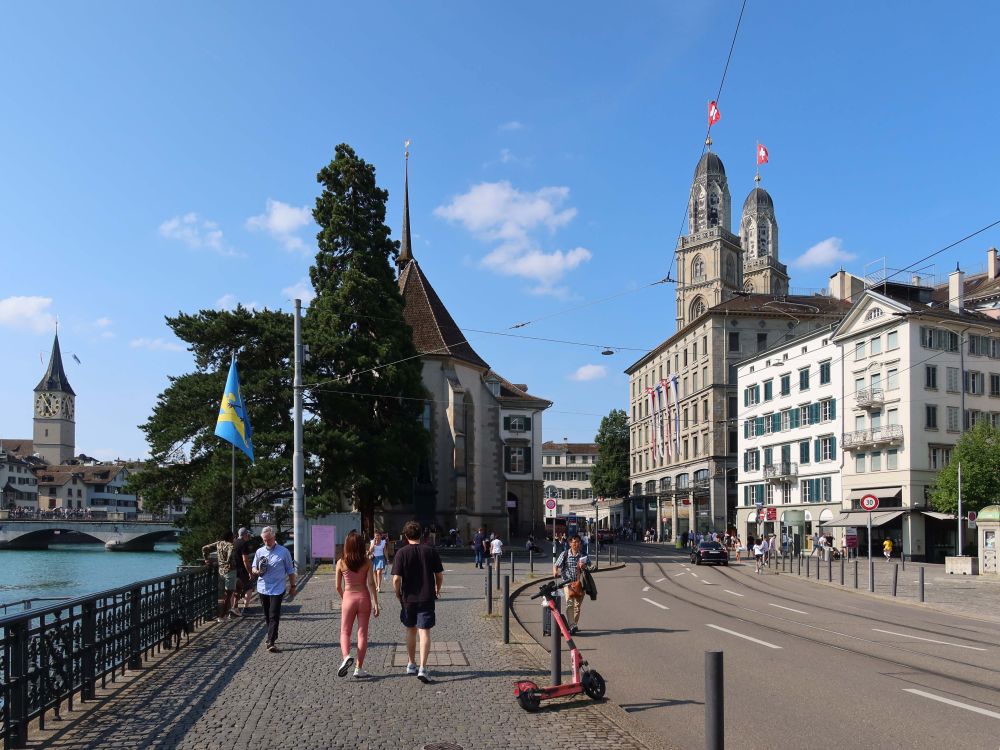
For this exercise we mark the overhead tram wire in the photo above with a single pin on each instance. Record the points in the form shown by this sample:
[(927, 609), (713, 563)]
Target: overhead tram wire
[(665, 280), (946, 247)]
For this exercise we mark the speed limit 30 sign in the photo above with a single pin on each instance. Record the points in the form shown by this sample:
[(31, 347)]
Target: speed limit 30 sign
[(869, 502)]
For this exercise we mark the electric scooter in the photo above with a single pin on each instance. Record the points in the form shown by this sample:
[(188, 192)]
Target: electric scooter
[(585, 680)]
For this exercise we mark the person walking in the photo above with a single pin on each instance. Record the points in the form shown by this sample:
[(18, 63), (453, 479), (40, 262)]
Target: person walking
[(758, 554), (417, 575), (376, 551), (765, 550), (739, 547), (224, 557), (272, 563), (355, 580), (887, 549), (241, 553), (479, 543), (568, 566), (496, 551)]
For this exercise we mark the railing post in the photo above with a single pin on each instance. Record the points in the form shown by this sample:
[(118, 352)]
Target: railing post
[(808, 561), (871, 576), (841, 570), (895, 577), (88, 661), (16, 689), (499, 561), (135, 629), (715, 719), (855, 572), (506, 609), (489, 588), (531, 563), (800, 562), (921, 582)]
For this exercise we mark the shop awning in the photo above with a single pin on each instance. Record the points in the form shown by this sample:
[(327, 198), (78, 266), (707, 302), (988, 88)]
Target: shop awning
[(882, 493), (860, 518), (939, 516)]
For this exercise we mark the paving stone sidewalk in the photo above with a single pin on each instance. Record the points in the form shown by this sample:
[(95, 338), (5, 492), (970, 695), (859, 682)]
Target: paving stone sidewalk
[(224, 690)]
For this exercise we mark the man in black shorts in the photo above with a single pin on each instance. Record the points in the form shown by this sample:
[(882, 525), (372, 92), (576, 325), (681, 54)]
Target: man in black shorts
[(417, 575)]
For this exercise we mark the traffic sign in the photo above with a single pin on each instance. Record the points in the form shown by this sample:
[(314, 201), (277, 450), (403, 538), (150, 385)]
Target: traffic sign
[(869, 503), (550, 503)]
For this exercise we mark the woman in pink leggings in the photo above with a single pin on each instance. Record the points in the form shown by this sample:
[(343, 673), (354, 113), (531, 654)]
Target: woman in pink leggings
[(359, 601)]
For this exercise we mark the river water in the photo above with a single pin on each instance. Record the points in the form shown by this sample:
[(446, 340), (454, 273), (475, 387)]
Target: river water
[(73, 570)]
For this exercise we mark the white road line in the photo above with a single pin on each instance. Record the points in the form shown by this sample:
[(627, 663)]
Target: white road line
[(679, 574), (693, 573), (661, 580), (655, 604), (732, 592), (646, 588), (929, 640), (788, 608), (709, 583), (454, 587), (950, 702), (740, 635)]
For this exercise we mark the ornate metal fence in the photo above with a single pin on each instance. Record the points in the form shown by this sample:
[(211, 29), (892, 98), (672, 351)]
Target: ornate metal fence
[(53, 656)]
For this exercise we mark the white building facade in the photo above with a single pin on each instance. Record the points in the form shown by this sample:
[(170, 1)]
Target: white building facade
[(790, 425)]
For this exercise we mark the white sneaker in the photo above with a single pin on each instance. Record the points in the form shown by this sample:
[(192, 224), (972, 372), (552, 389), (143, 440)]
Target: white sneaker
[(359, 673), (424, 675), (411, 668), (345, 666)]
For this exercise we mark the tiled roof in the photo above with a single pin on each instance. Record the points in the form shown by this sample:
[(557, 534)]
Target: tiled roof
[(576, 448), (978, 286), (794, 303), (60, 475), (20, 448), (435, 332), (517, 392)]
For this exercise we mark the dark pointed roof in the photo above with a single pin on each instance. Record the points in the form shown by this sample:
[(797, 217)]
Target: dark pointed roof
[(405, 244), (435, 332), (709, 163), (55, 378), (758, 199)]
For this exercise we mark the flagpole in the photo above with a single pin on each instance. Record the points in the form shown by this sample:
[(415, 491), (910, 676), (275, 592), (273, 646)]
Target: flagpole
[(232, 501)]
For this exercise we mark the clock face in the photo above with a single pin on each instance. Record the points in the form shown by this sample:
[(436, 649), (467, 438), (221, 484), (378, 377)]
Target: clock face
[(67, 406), (45, 405)]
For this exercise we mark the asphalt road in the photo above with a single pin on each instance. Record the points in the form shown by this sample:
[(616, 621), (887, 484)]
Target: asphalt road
[(805, 665)]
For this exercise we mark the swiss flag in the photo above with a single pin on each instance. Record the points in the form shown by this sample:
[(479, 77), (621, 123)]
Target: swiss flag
[(761, 154), (714, 115)]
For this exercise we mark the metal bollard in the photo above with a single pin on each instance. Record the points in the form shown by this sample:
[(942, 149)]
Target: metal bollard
[(895, 577), (800, 563), (829, 569), (921, 582), (808, 565), (498, 572), (855, 572), (506, 609), (841, 570), (871, 576), (902, 560), (531, 563), (555, 653), (715, 719), (512, 567), (489, 588)]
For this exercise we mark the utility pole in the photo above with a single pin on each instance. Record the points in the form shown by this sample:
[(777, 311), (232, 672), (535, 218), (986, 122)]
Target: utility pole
[(960, 540), (298, 464)]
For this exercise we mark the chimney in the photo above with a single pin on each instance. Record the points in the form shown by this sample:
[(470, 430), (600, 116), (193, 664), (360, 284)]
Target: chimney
[(956, 290), (915, 280), (992, 263)]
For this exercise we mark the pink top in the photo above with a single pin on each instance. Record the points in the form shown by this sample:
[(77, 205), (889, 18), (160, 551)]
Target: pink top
[(359, 579)]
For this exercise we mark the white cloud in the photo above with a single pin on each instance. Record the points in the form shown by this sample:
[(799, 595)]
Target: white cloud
[(500, 213), (196, 233), (510, 125), (301, 289), (828, 253), (229, 302), (283, 221), (27, 313), (102, 322), (589, 372), (156, 345)]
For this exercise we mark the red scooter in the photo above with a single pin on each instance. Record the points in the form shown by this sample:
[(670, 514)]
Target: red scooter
[(585, 680)]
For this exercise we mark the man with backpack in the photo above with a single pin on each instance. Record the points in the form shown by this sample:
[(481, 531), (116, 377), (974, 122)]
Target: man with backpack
[(224, 553), (569, 566)]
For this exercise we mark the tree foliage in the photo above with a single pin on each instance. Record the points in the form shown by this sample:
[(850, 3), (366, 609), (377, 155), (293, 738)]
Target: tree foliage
[(609, 477), (979, 453), (187, 459), (366, 393)]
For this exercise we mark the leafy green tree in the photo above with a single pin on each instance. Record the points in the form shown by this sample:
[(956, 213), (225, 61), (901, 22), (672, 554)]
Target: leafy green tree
[(609, 477), (187, 459), (979, 453), (367, 395)]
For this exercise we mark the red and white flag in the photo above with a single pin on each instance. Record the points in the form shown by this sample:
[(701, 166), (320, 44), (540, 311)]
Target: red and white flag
[(714, 115), (761, 154)]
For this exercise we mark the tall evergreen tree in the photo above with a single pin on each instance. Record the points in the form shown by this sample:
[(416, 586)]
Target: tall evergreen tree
[(187, 459), (367, 395), (609, 477)]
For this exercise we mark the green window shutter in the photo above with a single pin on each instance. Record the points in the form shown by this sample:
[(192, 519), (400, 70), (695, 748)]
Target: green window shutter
[(817, 455), (833, 408), (804, 452), (746, 461), (746, 397), (746, 429), (527, 460), (759, 425), (814, 413), (786, 453), (775, 423), (768, 390), (793, 419), (506, 423), (506, 459), (768, 456), (527, 423), (833, 447)]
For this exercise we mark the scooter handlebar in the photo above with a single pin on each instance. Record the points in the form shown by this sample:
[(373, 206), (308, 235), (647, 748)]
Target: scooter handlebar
[(549, 588)]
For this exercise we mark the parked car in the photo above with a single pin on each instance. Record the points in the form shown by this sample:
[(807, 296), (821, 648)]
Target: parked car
[(605, 535), (710, 552)]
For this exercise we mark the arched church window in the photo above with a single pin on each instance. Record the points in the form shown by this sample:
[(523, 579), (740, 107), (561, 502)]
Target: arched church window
[(748, 287), (762, 242), (730, 268), (697, 308), (713, 210), (698, 268)]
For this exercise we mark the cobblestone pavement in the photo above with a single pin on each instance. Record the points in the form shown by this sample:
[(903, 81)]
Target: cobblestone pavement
[(224, 690)]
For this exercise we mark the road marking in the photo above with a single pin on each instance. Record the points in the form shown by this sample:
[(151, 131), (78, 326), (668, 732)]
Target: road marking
[(661, 580), (709, 583), (655, 604), (732, 592), (740, 635), (950, 702), (693, 573), (929, 640), (453, 587), (788, 608), (679, 574), (646, 588)]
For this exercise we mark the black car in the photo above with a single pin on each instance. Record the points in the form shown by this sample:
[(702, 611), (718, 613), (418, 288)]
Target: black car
[(710, 552)]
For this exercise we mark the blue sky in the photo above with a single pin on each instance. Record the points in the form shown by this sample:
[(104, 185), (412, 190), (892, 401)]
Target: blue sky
[(158, 159)]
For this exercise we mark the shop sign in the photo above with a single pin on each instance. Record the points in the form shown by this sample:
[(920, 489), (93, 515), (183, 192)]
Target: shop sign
[(772, 514), (851, 537)]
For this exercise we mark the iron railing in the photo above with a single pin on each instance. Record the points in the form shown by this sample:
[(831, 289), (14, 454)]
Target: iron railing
[(54, 655), (892, 433), (869, 397), (781, 470)]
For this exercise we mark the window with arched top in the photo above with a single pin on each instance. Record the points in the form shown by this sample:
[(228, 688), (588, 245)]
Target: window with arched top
[(713, 209), (698, 268), (875, 312), (763, 244), (748, 287), (697, 308), (730, 269)]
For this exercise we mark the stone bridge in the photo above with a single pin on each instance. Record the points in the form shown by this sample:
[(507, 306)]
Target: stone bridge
[(120, 535)]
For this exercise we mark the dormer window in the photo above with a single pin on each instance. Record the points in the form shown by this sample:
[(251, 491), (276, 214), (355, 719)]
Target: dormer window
[(494, 386)]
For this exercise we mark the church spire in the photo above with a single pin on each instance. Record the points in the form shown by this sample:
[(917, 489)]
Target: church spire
[(405, 244), (55, 378)]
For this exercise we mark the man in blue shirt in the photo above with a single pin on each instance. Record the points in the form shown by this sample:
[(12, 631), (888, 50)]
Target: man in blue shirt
[(272, 563), (479, 545)]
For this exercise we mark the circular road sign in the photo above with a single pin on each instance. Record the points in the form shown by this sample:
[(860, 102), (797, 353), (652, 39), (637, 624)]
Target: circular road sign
[(550, 504), (869, 502)]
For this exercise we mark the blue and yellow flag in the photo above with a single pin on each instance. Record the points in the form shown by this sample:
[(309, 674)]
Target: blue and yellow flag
[(233, 424)]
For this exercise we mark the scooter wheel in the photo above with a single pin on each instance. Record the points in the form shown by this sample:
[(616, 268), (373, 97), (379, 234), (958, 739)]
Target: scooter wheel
[(593, 684), (529, 701)]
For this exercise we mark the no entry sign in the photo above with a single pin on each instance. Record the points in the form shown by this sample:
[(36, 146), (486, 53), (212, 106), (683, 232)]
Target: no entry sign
[(869, 502), (550, 504)]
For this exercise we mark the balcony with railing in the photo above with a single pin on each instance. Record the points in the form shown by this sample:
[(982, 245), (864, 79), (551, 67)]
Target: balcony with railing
[(890, 434), (781, 471), (869, 398)]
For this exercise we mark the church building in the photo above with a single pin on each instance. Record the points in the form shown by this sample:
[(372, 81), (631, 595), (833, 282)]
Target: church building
[(55, 413)]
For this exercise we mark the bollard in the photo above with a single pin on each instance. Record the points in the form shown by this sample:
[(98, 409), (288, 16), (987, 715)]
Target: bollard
[(489, 588), (855, 572), (498, 572), (531, 563), (800, 563), (841, 570), (715, 719), (609, 555), (902, 560), (506, 609), (555, 653), (808, 565), (829, 569), (512, 567), (871, 576), (921, 582), (895, 577)]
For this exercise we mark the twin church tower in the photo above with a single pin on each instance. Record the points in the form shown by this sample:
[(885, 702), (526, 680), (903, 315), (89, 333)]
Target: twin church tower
[(713, 263)]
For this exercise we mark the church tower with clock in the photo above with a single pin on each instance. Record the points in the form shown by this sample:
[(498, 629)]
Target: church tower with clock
[(55, 415)]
